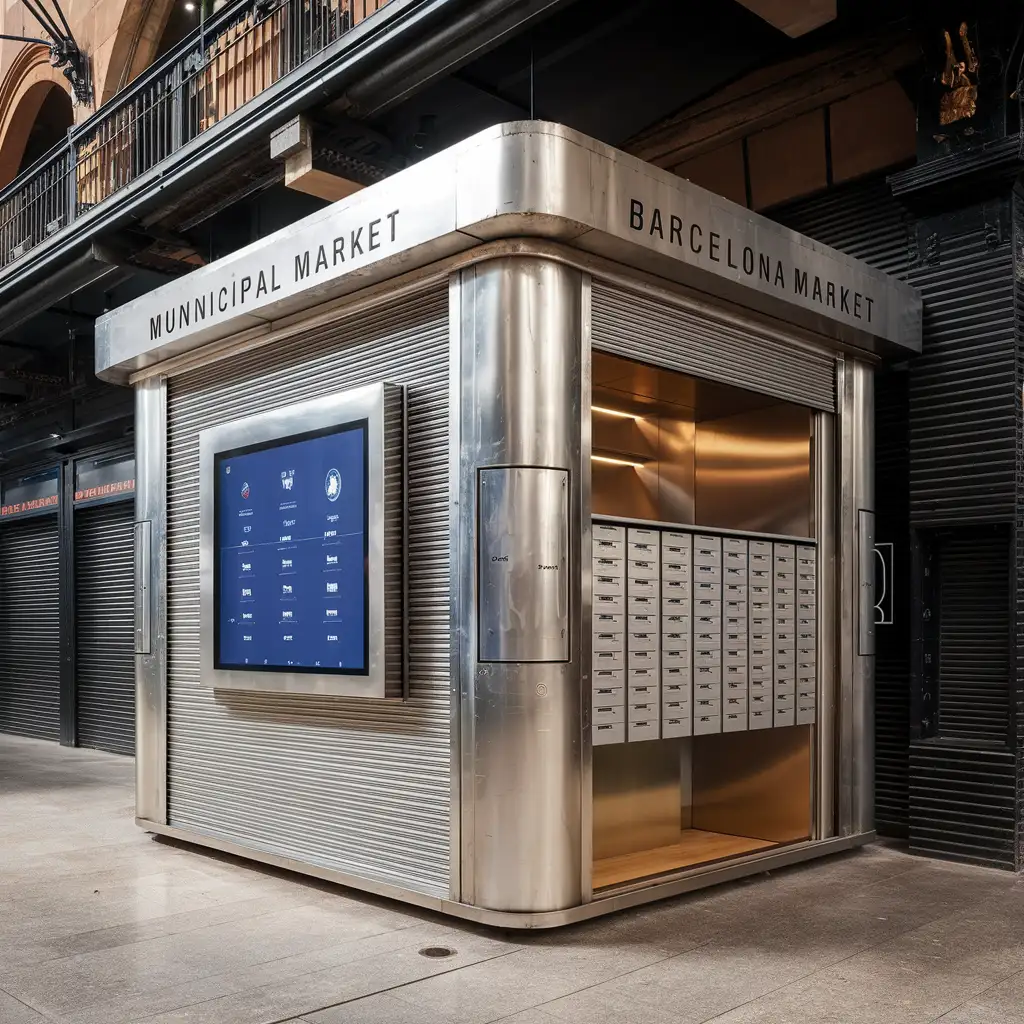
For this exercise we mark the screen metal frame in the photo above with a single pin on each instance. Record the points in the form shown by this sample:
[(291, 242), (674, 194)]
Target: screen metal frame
[(279, 427)]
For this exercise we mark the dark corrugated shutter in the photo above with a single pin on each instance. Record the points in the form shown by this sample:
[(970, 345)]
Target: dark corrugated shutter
[(30, 628), (865, 221), (973, 591), (861, 220), (105, 627), (963, 464), (892, 646), (962, 803)]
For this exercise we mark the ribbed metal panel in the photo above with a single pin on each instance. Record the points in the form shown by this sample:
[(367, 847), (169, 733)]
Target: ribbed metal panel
[(637, 326), (863, 220), (30, 628), (356, 785), (892, 643), (962, 803), (962, 394), (974, 634), (104, 627)]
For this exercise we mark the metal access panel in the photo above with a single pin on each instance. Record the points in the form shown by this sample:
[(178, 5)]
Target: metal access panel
[(523, 559)]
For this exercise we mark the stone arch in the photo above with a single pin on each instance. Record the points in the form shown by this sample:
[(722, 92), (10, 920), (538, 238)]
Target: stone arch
[(24, 90), (137, 43)]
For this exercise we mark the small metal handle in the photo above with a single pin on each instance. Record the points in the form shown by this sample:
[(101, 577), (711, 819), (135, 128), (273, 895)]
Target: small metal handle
[(143, 601), (866, 580)]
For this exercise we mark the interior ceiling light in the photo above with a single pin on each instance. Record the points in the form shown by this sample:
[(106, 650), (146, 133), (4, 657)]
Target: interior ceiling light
[(616, 462), (605, 411)]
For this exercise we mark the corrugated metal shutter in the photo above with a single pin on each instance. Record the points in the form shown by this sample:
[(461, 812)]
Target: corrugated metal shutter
[(973, 590), (963, 463), (864, 220), (104, 627), (30, 628), (355, 785), (962, 803), (630, 324), (892, 641)]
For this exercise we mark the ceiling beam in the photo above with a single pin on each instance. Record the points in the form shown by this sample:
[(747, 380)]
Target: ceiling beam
[(772, 95), (794, 17)]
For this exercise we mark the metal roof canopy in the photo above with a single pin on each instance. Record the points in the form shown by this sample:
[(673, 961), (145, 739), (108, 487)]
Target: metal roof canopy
[(525, 179)]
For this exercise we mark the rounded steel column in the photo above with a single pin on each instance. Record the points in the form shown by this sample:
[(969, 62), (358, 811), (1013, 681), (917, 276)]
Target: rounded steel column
[(519, 377)]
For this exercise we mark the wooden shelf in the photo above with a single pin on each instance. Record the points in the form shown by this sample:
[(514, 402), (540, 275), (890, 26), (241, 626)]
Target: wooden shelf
[(695, 846)]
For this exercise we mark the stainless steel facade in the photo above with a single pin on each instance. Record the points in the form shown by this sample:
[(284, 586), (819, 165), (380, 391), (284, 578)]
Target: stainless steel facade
[(475, 794), (520, 406), (524, 179), (353, 785)]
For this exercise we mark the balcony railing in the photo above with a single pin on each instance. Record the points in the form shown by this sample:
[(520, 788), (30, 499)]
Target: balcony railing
[(216, 70)]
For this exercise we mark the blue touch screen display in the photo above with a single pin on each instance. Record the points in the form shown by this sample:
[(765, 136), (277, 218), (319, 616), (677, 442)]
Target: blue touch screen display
[(290, 581)]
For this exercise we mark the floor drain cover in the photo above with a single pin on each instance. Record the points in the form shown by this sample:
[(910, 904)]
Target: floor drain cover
[(436, 952)]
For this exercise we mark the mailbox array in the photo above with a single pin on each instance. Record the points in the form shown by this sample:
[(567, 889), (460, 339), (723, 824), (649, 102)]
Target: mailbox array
[(699, 633)]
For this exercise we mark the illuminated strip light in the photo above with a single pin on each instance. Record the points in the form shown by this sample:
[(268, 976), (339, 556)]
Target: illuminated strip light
[(616, 462), (612, 412)]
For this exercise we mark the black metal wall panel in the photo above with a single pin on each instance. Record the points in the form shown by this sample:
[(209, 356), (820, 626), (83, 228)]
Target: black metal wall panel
[(962, 803), (892, 645), (973, 596), (30, 628), (962, 396), (865, 221), (105, 627), (861, 219)]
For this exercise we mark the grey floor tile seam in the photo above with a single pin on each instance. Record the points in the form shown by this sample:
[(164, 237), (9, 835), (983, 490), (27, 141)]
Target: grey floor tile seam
[(330, 1006), (217, 974), (977, 995), (22, 1002), (828, 967), (161, 936)]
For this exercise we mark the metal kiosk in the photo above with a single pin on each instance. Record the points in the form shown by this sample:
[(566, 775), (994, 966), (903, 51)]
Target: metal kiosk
[(505, 536)]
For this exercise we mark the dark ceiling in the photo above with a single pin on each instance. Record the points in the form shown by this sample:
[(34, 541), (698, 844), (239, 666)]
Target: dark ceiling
[(608, 68), (603, 67), (611, 69)]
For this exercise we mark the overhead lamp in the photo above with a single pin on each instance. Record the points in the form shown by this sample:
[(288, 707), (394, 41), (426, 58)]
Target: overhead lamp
[(605, 411), (608, 460), (190, 7)]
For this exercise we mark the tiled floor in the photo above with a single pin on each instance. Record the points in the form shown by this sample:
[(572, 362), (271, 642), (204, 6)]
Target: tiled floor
[(102, 924)]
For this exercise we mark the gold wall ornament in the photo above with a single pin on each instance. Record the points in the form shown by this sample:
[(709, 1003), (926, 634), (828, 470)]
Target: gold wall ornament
[(961, 101)]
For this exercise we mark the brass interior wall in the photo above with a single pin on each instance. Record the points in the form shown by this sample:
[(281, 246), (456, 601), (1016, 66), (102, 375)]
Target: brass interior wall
[(678, 449), (753, 471), (655, 439), (638, 797), (754, 783)]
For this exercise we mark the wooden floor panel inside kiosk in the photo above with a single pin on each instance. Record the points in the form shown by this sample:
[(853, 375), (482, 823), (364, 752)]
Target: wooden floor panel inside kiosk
[(695, 846)]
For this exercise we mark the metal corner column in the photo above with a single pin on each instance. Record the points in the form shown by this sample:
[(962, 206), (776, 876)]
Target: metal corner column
[(856, 726), (151, 600), (455, 865), (828, 559), (520, 407)]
